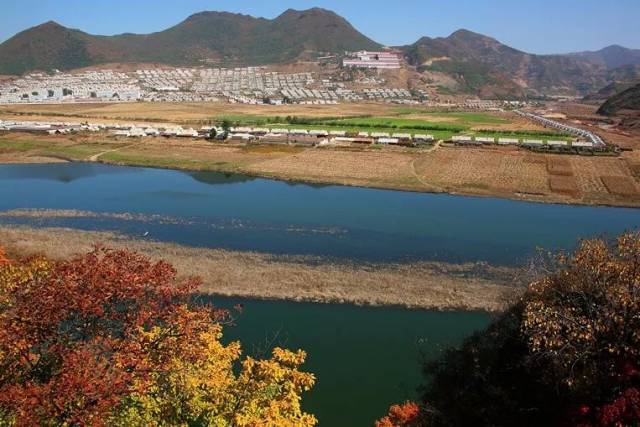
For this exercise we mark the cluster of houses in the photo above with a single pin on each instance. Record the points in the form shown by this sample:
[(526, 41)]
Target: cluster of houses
[(49, 127), (104, 86), (247, 134), (321, 136), (591, 137), (278, 135), (558, 145), (491, 105), (247, 85), (275, 135), (386, 93)]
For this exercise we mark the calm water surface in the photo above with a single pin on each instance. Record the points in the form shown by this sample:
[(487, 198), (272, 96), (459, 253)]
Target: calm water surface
[(243, 213), (364, 358)]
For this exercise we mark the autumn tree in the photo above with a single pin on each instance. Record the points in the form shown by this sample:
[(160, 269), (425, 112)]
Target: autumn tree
[(111, 338), (582, 327), (567, 353)]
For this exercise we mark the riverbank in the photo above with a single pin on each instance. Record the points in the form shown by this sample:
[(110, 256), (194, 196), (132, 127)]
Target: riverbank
[(502, 172), (423, 285)]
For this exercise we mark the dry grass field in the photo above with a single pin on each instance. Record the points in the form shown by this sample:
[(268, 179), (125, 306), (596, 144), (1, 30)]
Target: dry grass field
[(196, 113), (228, 273), (621, 185), (506, 172), (185, 112)]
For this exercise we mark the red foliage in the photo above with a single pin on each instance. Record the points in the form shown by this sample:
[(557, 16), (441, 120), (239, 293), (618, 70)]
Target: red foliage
[(400, 415), (625, 410), (3, 257), (71, 341)]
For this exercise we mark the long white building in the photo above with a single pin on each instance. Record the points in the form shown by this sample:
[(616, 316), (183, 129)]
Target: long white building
[(366, 59)]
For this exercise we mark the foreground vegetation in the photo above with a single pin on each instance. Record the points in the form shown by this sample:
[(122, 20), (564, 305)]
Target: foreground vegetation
[(568, 353), (110, 338)]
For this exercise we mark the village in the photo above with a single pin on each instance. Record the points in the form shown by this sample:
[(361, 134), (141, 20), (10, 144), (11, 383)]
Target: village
[(584, 141), (246, 85)]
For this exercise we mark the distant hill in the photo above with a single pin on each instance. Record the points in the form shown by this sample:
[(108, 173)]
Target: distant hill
[(220, 37), (478, 61), (464, 62), (609, 90), (612, 56), (627, 100)]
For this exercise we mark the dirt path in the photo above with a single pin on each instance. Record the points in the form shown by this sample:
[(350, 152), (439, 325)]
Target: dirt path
[(95, 157), (435, 147), (420, 179)]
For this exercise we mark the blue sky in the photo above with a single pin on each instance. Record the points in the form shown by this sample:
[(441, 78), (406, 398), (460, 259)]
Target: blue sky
[(540, 26)]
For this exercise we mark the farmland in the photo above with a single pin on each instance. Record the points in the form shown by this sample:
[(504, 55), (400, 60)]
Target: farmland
[(507, 172)]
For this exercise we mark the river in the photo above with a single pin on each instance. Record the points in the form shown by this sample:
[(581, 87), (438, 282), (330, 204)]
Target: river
[(364, 358)]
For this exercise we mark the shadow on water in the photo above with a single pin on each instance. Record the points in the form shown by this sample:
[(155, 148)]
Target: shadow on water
[(61, 172), (217, 178)]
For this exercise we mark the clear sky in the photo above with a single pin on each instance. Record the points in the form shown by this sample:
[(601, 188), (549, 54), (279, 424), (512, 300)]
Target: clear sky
[(536, 26)]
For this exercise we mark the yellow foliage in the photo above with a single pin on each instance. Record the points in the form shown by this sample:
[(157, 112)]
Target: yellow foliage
[(585, 319), (193, 379), (201, 387)]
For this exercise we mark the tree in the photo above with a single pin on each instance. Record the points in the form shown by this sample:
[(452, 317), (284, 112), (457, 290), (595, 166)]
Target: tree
[(111, 338), (567, 353), (226, 127), (212, 133), (582, 325)]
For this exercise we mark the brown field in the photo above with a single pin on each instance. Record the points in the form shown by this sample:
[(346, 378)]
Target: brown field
[(559, 166), (496, 171), (256, 275), (199, 113), (184, 112), (563, 184), (620, 185)]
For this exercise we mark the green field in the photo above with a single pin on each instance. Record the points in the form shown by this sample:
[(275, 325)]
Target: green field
[(459, 123)]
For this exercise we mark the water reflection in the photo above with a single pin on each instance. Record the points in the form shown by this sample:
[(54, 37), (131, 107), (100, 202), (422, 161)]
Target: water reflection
[(61, 172), (216, 178)]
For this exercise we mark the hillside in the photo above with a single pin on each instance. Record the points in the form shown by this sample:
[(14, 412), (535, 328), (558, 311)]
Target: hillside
[(611, 56), (609, 90), (464, 62), (206, 37), (479, 62), (627, 100)]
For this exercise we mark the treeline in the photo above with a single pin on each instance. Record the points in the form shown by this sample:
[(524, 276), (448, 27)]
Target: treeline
[(431, 126)]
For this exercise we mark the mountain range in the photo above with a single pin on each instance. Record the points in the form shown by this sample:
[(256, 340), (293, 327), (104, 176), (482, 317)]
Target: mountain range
[(473, 62)]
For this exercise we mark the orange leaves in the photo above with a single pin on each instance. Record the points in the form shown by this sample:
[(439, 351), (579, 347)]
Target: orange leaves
[(111, 338), (400, 416), (3, 257), (71, 332)]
